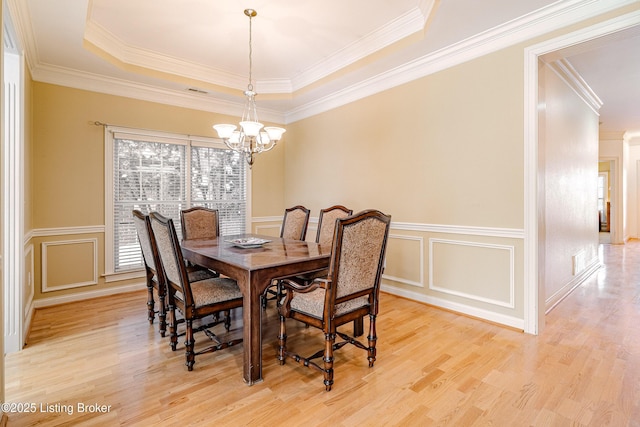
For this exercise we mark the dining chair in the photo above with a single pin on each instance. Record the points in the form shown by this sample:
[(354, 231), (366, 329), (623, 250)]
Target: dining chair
[(195, 300), (327, 223), (294, 223), (141, 222), (294, 227), (154, 275), (350, 291), (199, 222), (324, 235)]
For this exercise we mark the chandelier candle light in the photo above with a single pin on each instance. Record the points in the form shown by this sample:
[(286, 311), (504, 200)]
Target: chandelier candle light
[(251, 138)]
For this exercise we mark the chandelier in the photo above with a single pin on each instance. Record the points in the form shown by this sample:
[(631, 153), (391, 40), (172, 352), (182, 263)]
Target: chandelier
[(251, 138)]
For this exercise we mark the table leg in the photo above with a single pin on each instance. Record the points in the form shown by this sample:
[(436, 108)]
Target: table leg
[(358, 327), (252, 334)]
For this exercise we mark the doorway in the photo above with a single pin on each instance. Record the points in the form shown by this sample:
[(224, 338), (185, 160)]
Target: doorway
[(534, 165), (605, 220)]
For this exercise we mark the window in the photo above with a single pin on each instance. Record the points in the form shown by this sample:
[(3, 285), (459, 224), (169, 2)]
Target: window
[(167, 173), (218, 181)]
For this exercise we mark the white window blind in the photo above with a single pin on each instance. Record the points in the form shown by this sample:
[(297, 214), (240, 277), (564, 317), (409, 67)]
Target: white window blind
[(168, 174), (218, 181)]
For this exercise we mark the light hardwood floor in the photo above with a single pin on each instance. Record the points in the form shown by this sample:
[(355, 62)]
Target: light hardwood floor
[(434, 367)]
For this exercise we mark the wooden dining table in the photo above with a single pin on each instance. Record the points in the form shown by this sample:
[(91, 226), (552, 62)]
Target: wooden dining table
[(255, 269)]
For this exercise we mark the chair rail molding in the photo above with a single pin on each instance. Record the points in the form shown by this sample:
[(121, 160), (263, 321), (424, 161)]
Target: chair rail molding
[(62, 231), (511, 233)]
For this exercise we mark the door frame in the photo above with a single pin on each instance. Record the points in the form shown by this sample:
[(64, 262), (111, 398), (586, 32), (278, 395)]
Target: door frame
[(534, 295), (13, 187)]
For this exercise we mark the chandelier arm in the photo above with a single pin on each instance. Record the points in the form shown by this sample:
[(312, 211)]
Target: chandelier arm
[(270, 147)]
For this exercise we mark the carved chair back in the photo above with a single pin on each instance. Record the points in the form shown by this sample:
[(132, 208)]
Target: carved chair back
[(357, 261), (349, 292), (294, 224), (141, 222), (199, 223), (170, 255), (327, 223)]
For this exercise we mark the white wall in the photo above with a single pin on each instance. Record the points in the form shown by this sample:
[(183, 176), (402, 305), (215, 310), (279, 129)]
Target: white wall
[(570, 188)]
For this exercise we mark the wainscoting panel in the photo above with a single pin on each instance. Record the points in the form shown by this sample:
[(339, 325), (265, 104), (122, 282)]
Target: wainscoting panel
[(404, 261), (476, 271), (84, 252), (268, 230)]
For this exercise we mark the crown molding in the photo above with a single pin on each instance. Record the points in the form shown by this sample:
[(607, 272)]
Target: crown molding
[(574, 80), (102, 39), (111, 86), (555, 16), (547, 19), (396, 30)]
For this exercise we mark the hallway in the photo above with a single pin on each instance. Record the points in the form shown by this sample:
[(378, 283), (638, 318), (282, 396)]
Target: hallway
[(596, 327)]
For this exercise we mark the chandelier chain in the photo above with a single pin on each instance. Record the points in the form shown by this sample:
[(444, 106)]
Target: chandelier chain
[(250, 87)]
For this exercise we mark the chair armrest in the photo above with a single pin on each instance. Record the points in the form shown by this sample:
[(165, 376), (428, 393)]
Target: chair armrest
[(304, 288), (292, 286)]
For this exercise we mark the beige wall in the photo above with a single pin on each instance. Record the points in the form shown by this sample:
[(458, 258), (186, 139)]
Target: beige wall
[(68, 169), (67, 175), (570, 187), (440, 153), (430, 151), (28, 283)]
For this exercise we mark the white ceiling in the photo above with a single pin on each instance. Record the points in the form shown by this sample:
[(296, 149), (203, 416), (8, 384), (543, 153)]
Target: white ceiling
[(307, 55), (611, 67)]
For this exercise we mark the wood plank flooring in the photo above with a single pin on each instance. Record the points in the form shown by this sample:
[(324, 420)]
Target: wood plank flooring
[(434, 367)]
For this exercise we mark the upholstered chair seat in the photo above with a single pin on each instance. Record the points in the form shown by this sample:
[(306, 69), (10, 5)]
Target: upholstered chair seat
[(213, 291), (197, 273), (312, 304)]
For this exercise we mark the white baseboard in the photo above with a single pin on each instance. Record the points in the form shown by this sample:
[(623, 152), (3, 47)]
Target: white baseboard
[(47, 302), (563, 292), (490, 316)]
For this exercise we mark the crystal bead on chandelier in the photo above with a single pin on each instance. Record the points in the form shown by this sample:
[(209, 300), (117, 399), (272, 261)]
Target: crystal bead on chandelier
[(251, 138)]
